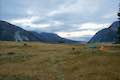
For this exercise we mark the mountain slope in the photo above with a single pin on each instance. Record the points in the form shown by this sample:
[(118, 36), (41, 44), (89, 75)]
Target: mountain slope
[(9, 32), (107, 34), (52, 38)]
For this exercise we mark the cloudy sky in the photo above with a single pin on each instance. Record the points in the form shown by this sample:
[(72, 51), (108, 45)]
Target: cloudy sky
[(72, 19)]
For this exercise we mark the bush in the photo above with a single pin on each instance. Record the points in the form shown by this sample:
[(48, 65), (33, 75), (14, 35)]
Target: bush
[(10, 53), (73, 49), (25, 44), (118, 32), (61, 41)]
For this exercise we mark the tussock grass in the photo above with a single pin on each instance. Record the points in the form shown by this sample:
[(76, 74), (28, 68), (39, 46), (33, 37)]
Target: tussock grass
[(15, 77), (12, 57), (58, 62)]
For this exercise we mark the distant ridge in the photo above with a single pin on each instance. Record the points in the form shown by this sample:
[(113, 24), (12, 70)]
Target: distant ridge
[(10, 32)]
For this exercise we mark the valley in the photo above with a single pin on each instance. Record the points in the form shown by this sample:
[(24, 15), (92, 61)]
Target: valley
[(42, 61)]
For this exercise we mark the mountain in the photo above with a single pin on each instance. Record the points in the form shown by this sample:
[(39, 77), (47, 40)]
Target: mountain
[(107, 35), (52, 38), (10, 32)]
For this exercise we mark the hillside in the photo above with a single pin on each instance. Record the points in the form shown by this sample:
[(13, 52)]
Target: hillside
[(39, 61), (107, 35), (10, 32)]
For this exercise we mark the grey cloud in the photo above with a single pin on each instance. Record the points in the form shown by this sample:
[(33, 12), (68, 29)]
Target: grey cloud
[(72, 12)]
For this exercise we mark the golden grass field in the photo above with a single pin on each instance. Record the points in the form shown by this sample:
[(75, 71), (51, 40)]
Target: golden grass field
[(40, 61)]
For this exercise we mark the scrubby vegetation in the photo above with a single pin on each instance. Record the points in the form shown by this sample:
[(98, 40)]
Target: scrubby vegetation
[(38, 61), (118, 35), (14, 77), (12, 57)]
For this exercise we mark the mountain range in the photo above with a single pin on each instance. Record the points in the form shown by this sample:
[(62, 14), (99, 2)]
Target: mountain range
[(10, 32), (107, 35)]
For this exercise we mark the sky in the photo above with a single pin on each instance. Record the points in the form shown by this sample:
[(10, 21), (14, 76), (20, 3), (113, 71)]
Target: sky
[(72, 19)]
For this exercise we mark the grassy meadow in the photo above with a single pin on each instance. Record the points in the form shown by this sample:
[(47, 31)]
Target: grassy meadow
[(40, 61)]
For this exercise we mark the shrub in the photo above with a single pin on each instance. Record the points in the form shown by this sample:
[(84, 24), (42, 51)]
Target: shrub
[(118, 32), (61, 41), (73, 49), (10, 53), (25, 44)]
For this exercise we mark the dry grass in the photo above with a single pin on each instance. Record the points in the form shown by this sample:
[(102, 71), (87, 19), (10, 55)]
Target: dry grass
[(39, 61)]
